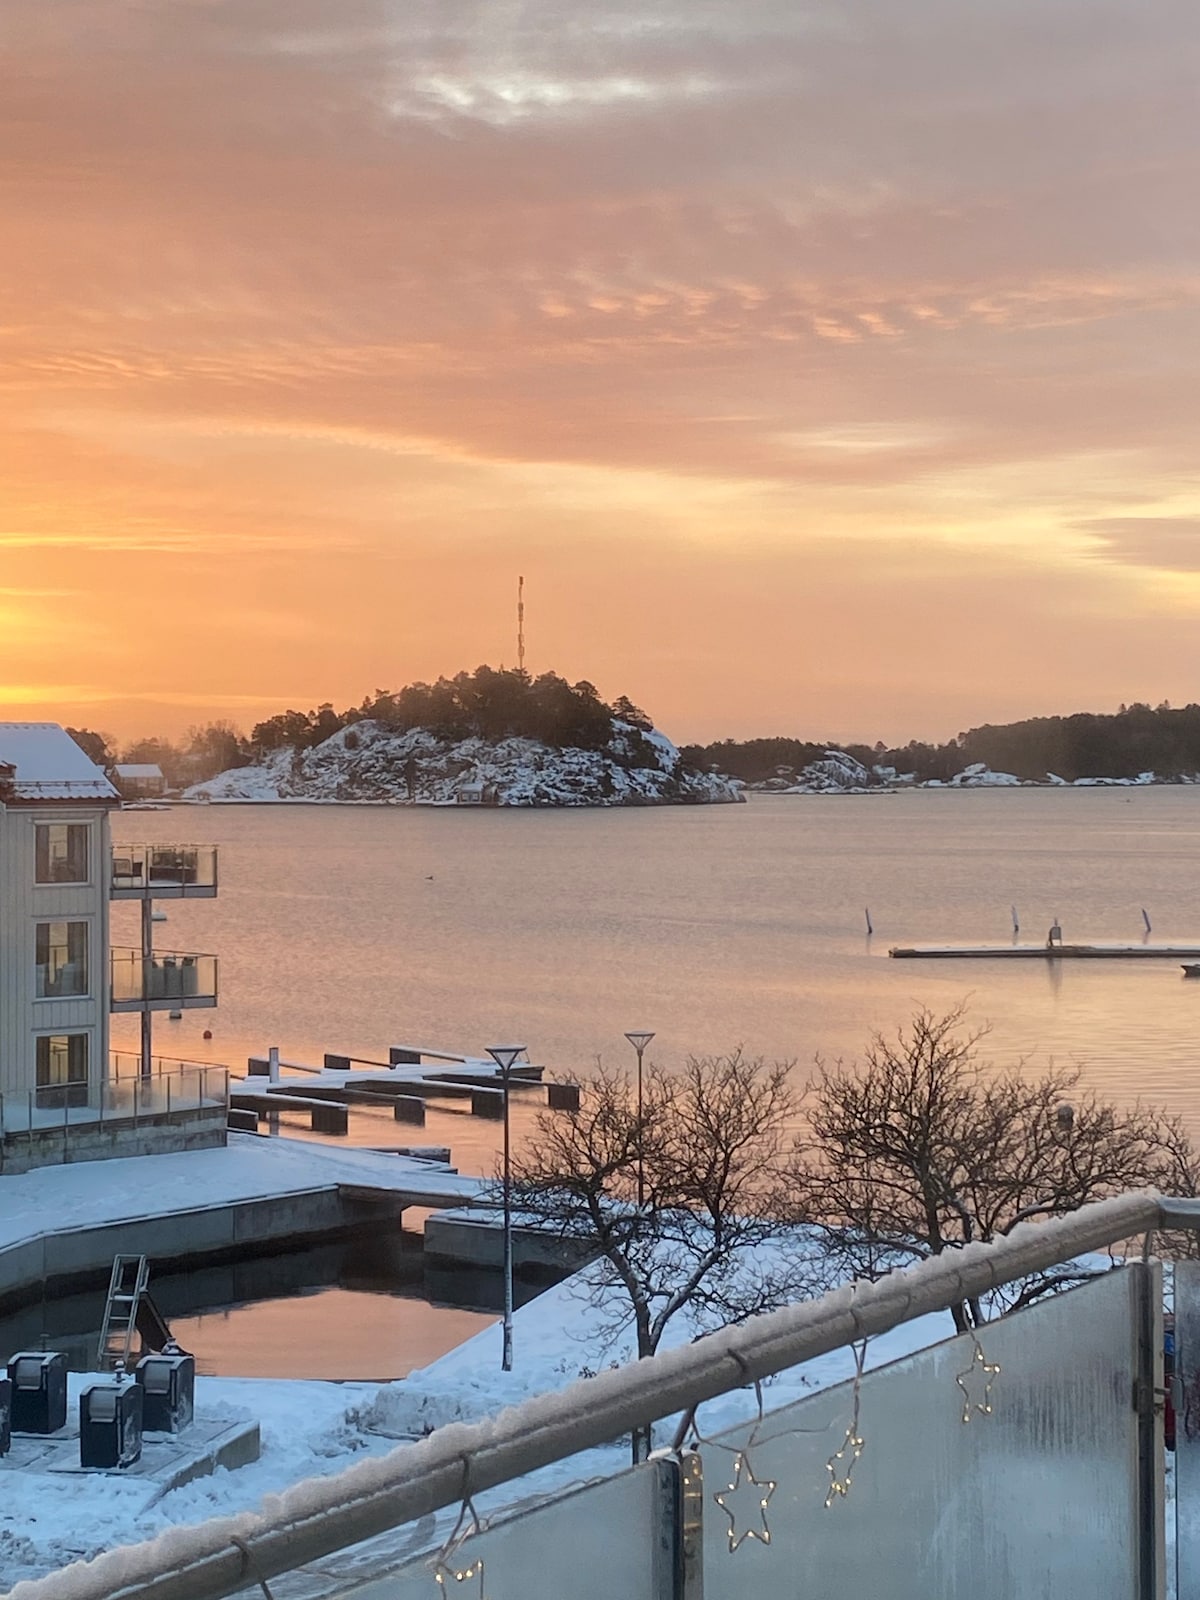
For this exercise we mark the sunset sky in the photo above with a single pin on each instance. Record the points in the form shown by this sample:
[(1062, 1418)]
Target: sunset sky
[(826, 369)]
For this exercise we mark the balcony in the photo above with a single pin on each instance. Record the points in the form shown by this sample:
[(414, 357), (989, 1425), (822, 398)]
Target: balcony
[(1022, 1458), (164, 872), (181, 1105), (166, 981)]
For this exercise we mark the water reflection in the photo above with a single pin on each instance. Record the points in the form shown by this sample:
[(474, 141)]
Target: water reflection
[(366, 1308)]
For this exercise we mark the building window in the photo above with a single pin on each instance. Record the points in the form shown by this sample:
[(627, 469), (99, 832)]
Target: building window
[(62, 960), (62, 852), (62, 1070)]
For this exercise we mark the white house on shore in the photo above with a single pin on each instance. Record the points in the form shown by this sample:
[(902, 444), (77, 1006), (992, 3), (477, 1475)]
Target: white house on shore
[(63, 1095), (139, 780)]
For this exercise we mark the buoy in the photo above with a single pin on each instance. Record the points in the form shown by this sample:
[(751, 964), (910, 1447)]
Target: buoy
[(1016, 920), (207, 1033), (870, 929), (1146, 920)]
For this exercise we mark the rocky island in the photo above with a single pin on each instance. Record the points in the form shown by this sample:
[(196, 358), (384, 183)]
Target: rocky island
[(367, 761)]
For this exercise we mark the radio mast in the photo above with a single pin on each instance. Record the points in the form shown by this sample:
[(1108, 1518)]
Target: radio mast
[(520, 624)]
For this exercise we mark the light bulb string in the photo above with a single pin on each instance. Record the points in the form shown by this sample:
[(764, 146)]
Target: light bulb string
[(467, 1526)]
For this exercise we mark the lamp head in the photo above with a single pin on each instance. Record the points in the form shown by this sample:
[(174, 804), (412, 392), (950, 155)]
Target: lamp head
[(505, 1054), (639, 1040)]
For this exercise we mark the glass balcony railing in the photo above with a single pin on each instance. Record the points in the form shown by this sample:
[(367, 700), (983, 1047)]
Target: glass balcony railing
[(173, 1088), (164, 871), (168, 980)]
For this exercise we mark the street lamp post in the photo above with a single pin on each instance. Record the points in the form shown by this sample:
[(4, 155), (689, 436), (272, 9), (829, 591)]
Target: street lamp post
[(639, 1040), (504, 1055)]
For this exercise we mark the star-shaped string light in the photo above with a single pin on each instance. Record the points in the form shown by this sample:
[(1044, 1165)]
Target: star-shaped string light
[(842, 1463), (450, 1572), (967, 1382), (762, 1489), (845, 1458), (449, 1578)]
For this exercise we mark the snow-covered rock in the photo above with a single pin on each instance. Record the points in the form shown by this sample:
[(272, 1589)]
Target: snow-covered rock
[(980, 776), (368, 762), (835, 771)]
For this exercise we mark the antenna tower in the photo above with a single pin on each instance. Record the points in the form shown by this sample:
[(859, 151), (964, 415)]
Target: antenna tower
[(520, 624)]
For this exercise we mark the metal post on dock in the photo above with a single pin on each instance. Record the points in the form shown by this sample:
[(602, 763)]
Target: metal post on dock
[(504, 1055)]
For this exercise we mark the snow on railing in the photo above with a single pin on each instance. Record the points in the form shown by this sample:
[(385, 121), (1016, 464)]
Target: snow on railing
[(322, 1515)]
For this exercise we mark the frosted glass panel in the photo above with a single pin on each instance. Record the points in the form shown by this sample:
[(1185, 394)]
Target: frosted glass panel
[(1039, 1497), (1187, 1426), (610, 1541)]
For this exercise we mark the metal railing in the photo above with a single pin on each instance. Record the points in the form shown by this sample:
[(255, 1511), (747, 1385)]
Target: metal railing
[(167, 978), (456, 1464), (174, 1088), (170, 870)]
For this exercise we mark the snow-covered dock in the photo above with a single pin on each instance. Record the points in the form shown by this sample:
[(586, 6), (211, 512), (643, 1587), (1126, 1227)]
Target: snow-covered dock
[(404, 1081), (1046, 952), (65, 1224)]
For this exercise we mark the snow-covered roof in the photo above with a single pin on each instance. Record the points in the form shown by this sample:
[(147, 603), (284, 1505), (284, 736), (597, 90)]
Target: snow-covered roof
[(40, 761), (137, 769)]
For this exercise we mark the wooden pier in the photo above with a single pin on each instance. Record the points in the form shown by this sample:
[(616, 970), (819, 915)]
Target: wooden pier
[(1046, 952)]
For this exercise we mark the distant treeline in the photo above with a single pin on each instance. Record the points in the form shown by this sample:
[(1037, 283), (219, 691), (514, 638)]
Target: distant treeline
[(495, 704), (1138, 738), (486, 704)]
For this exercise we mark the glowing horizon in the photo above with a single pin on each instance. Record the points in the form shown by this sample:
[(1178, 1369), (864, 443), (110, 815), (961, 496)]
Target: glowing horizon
[(825, 372)]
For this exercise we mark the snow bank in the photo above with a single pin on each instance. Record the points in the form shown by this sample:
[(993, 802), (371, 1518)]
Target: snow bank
[(368, 762)]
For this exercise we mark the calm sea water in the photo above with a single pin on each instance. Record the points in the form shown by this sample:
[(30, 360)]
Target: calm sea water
[(349, 929), (346, 928)]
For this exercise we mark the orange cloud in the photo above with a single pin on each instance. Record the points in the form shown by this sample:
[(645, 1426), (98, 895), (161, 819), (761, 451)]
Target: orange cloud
[(790, 354)]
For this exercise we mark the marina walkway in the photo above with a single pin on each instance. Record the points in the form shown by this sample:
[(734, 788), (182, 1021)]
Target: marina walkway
[(66, 1223)]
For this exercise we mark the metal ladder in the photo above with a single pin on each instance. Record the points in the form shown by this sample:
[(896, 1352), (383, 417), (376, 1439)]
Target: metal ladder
[(126, 1289)]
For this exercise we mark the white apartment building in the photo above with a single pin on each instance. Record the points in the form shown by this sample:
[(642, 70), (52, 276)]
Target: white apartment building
[(54, 900), (63, 1096)]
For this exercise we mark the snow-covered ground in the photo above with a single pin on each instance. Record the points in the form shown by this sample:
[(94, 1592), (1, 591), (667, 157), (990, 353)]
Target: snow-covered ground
[(307, 1429), (368, 762)]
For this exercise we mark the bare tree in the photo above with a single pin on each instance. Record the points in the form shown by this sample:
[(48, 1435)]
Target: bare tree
[(921, 1147), (714, 1142)]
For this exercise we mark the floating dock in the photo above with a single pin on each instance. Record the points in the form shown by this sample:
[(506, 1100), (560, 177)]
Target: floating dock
[(411, 1075), (1045, 952)]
